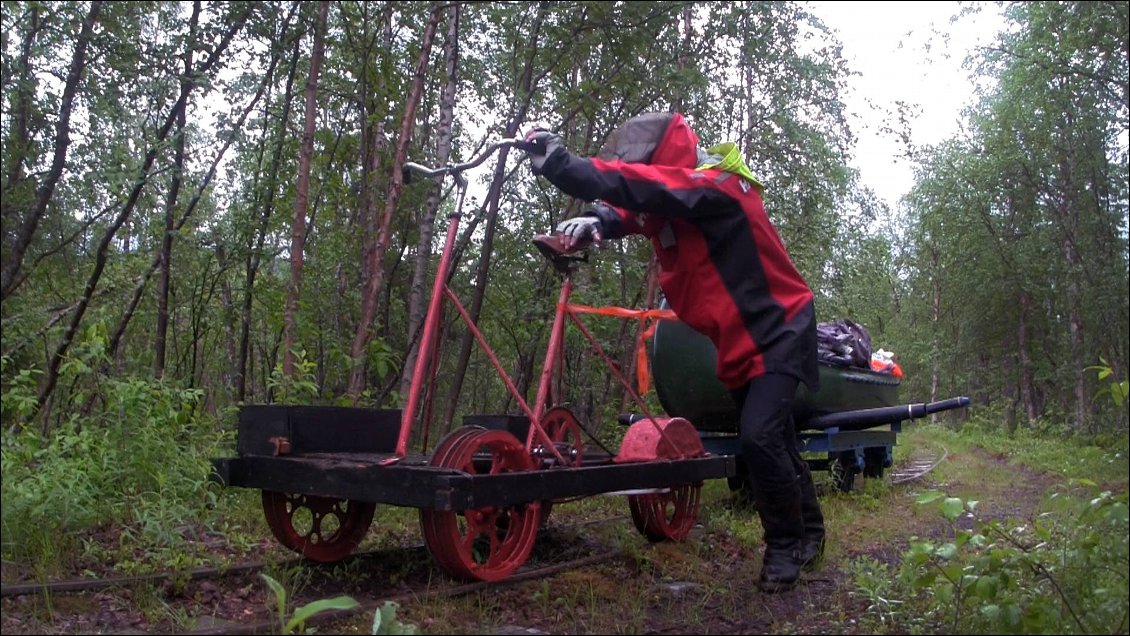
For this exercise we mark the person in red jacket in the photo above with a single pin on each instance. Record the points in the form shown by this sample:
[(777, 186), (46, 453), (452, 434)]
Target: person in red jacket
[(726, 273)]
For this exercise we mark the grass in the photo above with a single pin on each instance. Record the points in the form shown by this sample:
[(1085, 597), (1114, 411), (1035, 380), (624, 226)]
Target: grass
[(703, 584), (1023, 542)]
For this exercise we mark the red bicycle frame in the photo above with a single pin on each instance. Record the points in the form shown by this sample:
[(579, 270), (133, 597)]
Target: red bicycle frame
[(427, 357)]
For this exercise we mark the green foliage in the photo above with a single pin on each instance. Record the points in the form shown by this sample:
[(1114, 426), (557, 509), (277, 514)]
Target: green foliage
[(1065, 572), (1050, 448), (1036, 174), (382, 358), (386, 622), (878, 583), (1116, 390), (302, 387), (296, 623), (140, 465), (1012, 239), (19, 396), (1039, 172)]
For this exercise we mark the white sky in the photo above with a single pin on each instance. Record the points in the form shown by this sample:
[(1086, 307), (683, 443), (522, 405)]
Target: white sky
[(906, 51)]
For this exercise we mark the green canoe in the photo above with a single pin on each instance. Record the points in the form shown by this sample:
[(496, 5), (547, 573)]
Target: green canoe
[(683, 368)]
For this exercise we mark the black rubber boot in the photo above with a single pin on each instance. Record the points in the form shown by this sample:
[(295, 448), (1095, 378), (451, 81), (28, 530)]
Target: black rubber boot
[(784, 534), (812, 546)]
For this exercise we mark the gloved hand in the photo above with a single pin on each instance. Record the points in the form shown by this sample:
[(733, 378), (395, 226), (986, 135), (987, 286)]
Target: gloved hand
[(547, 143), (579, 231)]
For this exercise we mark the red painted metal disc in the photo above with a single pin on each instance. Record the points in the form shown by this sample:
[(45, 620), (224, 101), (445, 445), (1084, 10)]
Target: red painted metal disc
[(568, 437), (667, 516), (322, 529), (489, 543)]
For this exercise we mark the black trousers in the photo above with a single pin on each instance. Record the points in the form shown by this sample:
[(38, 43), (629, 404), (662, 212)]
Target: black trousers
[(767, 433)]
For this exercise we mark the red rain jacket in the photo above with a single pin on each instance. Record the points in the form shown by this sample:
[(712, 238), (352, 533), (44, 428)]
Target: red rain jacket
[(723, 267)]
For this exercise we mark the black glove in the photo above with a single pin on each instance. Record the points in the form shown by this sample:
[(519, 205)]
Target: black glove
[(546, 143), (579, 231)]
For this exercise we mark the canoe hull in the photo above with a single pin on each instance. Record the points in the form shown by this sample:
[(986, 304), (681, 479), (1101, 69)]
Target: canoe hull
[(683, 368)]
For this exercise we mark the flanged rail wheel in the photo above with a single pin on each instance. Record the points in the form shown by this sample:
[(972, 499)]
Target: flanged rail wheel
[(568, 437), (875, 462), (489, 543), (667, 516), (843, 470), (562, 427), (323, 529)]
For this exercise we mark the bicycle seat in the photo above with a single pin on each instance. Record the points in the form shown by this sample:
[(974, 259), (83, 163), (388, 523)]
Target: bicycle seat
[(563, 260)]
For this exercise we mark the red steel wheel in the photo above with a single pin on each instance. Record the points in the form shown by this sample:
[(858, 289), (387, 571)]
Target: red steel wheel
[(562, 427), (446, 454), (323, 529), (667, 516), (489, 543)]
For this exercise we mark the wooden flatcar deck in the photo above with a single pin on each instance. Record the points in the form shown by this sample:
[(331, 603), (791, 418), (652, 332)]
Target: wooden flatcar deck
[(339, 452), (412, 483)]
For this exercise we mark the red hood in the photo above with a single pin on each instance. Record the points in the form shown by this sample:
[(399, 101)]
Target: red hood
[(678, 147), (659, 139)]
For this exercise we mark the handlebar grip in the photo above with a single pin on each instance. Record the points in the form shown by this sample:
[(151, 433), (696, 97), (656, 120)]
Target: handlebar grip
[(627, 419), (531, 147), (406, 175)]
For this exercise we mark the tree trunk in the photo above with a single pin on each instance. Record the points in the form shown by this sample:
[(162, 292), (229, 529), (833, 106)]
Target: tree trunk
[(375, 250), (526, 86), (1027, 374), (51, 378), (266, 210), (482, 275), (427, 220), (528, 354), (165, 255), (302, 192), (1075, 319), (936, 325), (19, 145), (11, 269), (139, 288)]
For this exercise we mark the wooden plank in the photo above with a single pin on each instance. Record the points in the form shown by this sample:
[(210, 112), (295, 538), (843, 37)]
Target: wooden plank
[(316, 429), (420, 486)]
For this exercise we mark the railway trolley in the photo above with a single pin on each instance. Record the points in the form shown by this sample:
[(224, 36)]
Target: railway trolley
[(485, 489)]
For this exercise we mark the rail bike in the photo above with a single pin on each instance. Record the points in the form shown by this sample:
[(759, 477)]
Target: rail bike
[(485, 489)]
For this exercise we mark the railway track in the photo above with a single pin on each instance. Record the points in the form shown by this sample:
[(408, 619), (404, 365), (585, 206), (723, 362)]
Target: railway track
[(271, 624), (918, 467), (373, 562), (77, 586), (399, 575)]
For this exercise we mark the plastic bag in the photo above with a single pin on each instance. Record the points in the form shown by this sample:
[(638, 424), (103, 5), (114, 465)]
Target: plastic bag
[(843, 343)]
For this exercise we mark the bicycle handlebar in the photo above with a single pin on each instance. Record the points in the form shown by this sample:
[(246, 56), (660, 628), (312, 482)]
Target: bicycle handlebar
[(410, 167)]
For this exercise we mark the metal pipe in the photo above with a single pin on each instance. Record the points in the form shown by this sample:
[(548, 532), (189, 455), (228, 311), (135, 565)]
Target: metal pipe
[(864, 418)]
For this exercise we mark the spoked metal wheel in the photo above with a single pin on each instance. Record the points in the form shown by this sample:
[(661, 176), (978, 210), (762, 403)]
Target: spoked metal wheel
[(667, 516), (487, 543), (562, 427), (567, 435), (322, 529)]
